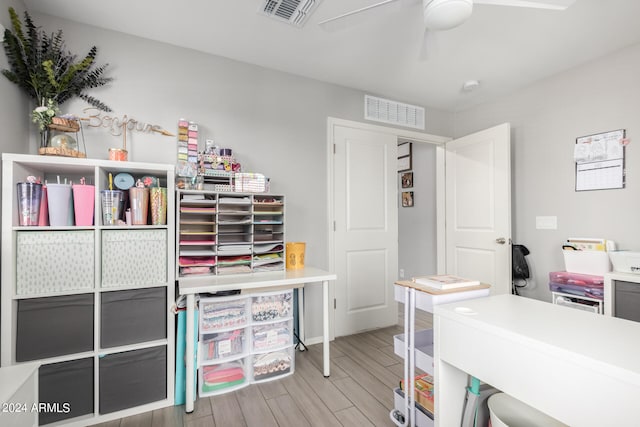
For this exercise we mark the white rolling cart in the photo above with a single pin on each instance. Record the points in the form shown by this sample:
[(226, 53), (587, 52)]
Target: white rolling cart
[(416, 347)]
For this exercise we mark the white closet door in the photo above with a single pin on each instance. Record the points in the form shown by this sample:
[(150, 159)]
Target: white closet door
[(366, 229)]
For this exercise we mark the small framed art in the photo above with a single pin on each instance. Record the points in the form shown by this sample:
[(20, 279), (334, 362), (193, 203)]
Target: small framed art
[(407, 199), (407, 179)]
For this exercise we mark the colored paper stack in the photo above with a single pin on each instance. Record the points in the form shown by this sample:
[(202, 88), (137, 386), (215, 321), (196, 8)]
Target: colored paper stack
[(183, 140), (192, 143), (187, 141)]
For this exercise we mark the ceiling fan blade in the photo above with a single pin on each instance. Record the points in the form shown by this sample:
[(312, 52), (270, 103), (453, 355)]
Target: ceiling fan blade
[(353, 12), (536, 4)]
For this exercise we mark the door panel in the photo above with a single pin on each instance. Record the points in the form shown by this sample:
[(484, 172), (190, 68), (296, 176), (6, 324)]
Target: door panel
[(366, 229), (478, 207), (368, 268)]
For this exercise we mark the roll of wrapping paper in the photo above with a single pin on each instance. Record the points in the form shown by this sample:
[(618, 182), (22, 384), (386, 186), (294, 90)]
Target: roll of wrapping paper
[(158, 205)]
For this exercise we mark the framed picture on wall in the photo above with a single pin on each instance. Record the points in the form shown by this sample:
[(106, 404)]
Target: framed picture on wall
[(404, 156), (404, 149), (407, 179), (407, 199)]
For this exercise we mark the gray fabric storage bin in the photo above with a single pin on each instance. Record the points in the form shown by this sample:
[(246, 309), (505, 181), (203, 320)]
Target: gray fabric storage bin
[(132, 378), (55, 326), (133, 316), (66, 387), (627, 300)]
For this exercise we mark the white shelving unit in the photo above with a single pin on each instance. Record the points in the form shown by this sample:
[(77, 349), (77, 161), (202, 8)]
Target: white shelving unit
[(91, 304), (244, 340), (229, 233), (416, 347)]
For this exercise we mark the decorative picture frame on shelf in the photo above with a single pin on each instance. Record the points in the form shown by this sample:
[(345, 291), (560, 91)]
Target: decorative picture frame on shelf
[(406, 180), (407, 199), (404, 156)]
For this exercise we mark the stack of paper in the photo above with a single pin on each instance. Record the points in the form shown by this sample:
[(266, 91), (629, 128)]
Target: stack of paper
[(446, 281)]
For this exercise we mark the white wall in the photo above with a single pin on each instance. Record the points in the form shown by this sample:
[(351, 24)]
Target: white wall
[(546, 118), (14, 107), (275, 122), (417, 224)]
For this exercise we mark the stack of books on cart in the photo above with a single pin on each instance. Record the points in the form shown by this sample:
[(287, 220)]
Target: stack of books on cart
[(444, 282)]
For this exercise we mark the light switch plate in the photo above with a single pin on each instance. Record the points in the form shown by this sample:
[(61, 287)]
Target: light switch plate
[(546, 223)]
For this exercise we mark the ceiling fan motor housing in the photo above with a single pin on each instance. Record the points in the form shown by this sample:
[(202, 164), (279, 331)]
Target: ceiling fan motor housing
[(446, 14)]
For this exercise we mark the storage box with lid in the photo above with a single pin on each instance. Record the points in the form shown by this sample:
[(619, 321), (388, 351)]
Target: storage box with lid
[(625, 261), (134, 257), (577, 284), (54, 262)]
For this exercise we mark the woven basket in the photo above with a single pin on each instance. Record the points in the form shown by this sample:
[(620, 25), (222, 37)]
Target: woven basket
[(64, 152), (64, 125)]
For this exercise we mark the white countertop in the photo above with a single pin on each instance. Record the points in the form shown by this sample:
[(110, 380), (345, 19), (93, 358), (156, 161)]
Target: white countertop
[(602, 343), (204, 284)]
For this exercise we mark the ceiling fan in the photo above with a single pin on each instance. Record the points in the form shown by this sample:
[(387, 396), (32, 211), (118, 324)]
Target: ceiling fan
[(447, 14)]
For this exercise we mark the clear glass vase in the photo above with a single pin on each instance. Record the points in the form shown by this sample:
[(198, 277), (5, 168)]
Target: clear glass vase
[(45, 136)]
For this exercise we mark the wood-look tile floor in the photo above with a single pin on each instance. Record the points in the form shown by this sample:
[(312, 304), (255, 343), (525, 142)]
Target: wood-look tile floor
[(364, 371)]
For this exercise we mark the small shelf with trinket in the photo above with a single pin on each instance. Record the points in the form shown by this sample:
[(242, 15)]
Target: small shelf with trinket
[(62, 144)]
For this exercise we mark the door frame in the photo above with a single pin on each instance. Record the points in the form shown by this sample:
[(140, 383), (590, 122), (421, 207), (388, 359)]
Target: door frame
[(418, 137)]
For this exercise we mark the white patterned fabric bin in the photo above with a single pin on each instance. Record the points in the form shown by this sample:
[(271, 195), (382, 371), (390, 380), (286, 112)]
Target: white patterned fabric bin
[(54, 261), (134, 257)]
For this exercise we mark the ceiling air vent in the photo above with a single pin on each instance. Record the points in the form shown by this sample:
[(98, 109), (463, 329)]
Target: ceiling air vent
[(392, 112), (294, 12)]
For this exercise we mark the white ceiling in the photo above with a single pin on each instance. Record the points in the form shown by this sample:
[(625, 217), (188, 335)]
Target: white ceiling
[(380, 51)]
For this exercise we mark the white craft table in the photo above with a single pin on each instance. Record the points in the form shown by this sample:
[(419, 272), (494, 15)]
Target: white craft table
[(574, 366), (190, 286)]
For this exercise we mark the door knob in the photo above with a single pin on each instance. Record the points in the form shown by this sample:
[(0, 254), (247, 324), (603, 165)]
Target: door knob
[(501, 240)]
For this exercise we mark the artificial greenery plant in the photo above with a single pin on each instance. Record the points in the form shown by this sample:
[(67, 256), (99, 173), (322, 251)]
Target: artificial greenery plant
[(45, 70)]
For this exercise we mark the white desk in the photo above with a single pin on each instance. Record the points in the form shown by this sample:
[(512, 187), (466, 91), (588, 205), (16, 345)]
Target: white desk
[(190, 286), (577, 367)]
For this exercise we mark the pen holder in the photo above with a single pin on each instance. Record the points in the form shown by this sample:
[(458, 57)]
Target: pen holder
[(295, 255)]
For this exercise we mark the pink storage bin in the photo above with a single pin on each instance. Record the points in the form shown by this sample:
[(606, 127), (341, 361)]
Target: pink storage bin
[(577, 279)]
